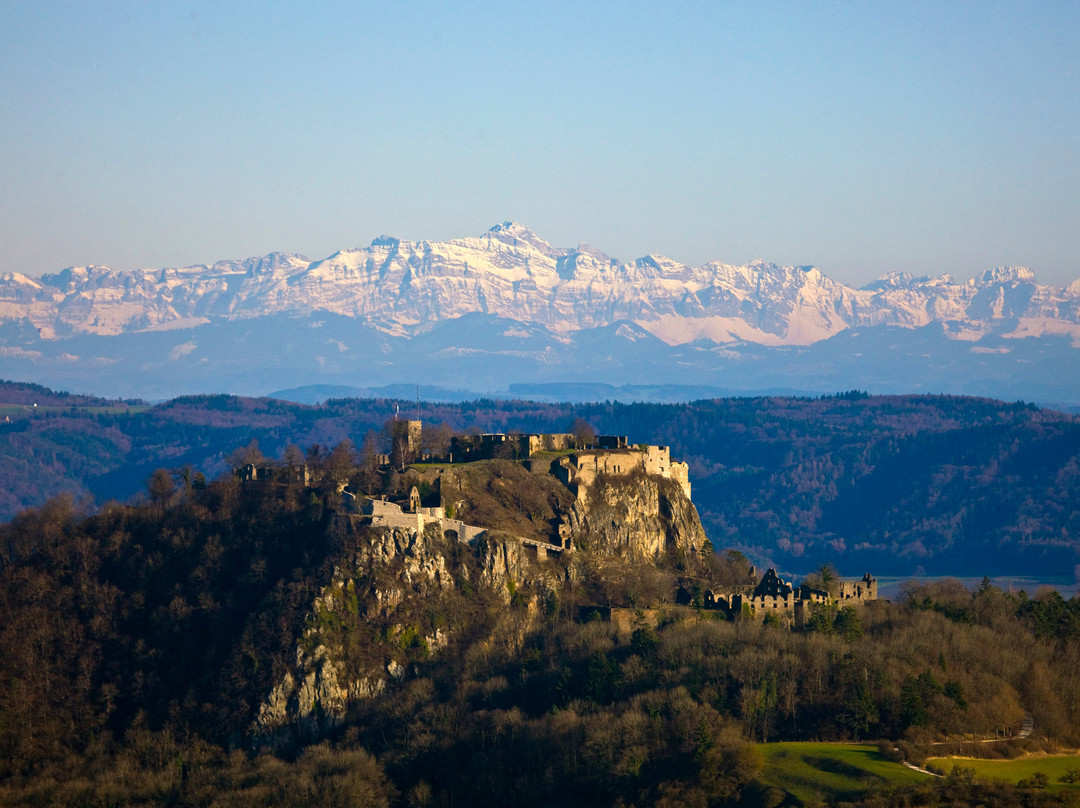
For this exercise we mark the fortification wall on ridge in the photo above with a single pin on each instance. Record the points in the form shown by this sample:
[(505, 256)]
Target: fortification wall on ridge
[(579, 470)]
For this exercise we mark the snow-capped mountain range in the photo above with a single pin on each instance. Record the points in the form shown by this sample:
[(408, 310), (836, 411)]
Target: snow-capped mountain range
[(401, 287), (404, 290)]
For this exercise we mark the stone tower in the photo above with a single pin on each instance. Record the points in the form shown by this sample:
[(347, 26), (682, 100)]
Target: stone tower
[(406, 441)]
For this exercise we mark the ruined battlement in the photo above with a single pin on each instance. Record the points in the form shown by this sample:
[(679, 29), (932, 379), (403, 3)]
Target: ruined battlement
[(608, 455), (391, 515), (579, 470), (250, 473), (863, 589), (502, 446)]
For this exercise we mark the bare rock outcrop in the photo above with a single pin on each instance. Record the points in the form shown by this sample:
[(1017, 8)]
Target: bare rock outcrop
[(396, 599), (640, 518), (398, 596)]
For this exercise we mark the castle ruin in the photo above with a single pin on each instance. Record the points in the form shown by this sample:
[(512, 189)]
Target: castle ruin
[(580, 465), (773, 595), (579, 470), (406, 442), (502, 446)]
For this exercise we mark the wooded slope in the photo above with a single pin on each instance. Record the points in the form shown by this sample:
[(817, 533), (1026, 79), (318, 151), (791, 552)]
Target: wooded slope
[(894, 484)]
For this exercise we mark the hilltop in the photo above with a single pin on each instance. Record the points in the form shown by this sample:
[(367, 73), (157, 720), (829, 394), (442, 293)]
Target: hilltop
[(265, 609), (324, 629)]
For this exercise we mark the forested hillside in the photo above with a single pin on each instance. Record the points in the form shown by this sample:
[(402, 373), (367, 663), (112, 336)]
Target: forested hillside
[(137, 645), (896, 484)]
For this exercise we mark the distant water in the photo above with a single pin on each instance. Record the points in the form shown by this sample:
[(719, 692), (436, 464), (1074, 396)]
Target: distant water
[(891, 588)]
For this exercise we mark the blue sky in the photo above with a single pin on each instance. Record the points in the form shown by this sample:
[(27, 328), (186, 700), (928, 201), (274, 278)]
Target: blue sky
[(861, 137)]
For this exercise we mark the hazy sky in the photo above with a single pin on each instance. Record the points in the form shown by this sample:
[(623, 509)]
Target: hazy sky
[(861, 137)]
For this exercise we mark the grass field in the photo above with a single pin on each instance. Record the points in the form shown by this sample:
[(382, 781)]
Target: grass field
[(1013, 771), (830, 771)]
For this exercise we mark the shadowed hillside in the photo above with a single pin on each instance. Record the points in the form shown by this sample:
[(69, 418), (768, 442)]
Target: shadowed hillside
[(259, 643)]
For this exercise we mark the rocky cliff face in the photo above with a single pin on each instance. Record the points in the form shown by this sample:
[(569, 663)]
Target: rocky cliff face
[(399, 597), (641, 518)]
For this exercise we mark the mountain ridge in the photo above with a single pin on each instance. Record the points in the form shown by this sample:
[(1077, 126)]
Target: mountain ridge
[(400, 286), (507, 307)]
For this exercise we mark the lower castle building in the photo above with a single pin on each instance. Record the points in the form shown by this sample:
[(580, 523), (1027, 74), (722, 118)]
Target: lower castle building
[(773, 595)]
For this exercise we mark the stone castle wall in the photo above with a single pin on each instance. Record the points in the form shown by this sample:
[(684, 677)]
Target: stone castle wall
[(390, 515), (776, 596), (467, 448), (580, 470), (863, 589)]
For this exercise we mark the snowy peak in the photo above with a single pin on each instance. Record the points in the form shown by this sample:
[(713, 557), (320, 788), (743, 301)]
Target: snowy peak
[(1005, 275), (275, 262), (514, 234), (894, 280), (17, 280), (659, 264), (598, 255), (72, 277)]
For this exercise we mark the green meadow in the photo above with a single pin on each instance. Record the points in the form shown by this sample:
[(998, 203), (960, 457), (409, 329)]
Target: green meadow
[(829, 772), (1013, 771)]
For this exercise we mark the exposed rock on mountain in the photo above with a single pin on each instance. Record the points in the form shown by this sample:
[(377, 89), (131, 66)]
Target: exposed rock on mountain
[(400, 595), (638, 518), (509, 307), (401, 287)]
